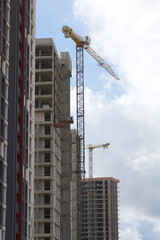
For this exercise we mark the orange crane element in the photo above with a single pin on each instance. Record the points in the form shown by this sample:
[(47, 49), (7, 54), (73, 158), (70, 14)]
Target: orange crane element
[(64, 123), (91, 147), (85, 42)]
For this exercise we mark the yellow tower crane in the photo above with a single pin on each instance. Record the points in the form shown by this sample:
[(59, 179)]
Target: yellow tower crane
[(91, 187), (91, 147), (83, 43)]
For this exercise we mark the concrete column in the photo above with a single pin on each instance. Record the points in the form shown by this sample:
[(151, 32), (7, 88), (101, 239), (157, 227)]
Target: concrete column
[(65, 62), (76, 188)]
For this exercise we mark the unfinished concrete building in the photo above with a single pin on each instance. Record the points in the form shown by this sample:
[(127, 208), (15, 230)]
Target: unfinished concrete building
[(52, 142), (75, 189), (64, 122), (47, 142), (100, 220)]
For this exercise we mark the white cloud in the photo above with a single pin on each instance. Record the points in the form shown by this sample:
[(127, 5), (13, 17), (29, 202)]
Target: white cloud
[(126, 33), (132, 157), (130, 234), (157, 228), (144, 161)]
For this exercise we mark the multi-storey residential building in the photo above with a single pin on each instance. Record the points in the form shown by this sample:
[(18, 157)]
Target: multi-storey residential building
[(4, 84), (47, 142), (100, 219), (20, 157), (52, 143)]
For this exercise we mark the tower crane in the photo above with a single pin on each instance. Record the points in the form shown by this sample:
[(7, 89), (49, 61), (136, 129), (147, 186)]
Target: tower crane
[(83, 43), (91, 187), (91, 147)]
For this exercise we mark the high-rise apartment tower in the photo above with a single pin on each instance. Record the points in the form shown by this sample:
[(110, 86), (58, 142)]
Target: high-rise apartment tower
[(100, 220), (47, 142), (52, 110)]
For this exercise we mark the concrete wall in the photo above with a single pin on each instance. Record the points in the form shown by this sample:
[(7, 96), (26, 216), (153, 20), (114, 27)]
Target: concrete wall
[(47, 142), (102, 221), (66, 69), (75, 189)]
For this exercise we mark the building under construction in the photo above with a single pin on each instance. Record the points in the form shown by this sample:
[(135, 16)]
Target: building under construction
[(47, 142), (100, 218), (75, 189), (63, 207), (52, 143)]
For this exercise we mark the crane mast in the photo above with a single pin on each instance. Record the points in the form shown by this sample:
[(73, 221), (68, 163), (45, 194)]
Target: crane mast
[(80, 106), (91, 147)]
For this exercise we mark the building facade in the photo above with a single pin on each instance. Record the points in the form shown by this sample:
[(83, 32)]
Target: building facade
[(65, 220), (20, 154), (75, 189), (47, 142), (4, 85), (52, 143), (100, 219)]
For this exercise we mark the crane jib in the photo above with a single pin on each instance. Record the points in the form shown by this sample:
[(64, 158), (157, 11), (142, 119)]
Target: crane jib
[(69, 33)]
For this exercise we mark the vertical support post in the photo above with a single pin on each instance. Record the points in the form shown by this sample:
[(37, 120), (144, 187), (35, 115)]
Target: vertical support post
[(90, 164), (80, 124), (91, 199), (80, 106)]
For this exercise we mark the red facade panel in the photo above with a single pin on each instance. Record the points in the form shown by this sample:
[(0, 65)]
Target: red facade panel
[(20, 120)]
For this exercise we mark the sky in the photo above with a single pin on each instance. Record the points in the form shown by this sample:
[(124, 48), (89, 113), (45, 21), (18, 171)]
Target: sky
[(125, 113)]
